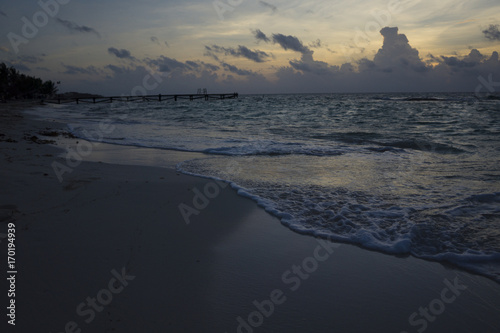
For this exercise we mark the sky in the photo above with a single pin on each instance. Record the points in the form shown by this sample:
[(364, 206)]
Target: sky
[(129, 47)]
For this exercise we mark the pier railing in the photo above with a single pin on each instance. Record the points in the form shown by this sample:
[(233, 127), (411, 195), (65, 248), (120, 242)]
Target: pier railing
[(147, 98)]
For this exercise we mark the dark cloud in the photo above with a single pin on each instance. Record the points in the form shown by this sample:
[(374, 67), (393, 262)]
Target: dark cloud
[(396, 52), (122, 54), (316, 44), (455, 62), (273, 8), (193, 64), (201, 66), (313, 66), (241, 51), (73, 27), (474, 58), (155, 40), (211, 67), (75, 70), (117, 69), (290, 43), (395, 67), (209, 52), (236, 70), (306, 62), (492, 33), (255, 55), (166, 64), (365, 65), (3, 13), (260, 36)]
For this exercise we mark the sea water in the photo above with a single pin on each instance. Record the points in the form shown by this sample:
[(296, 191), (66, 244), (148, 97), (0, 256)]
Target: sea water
[(407, 174)]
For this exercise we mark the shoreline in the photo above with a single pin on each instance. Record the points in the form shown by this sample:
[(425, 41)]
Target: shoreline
[(233, 266)]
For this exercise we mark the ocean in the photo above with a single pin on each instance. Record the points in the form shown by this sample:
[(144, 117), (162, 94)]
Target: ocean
[(403, 174)]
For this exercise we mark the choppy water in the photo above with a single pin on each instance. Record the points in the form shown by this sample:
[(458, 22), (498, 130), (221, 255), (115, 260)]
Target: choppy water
[(403, 174)]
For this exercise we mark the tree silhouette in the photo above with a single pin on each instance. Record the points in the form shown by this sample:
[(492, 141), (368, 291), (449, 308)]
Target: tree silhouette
[(14, 85)]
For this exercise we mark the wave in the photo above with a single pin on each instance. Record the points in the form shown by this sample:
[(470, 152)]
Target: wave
[(466, 99), (376, 139), (457, 235), (421, 145)]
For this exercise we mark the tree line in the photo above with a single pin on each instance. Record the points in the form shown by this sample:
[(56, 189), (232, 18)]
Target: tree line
[(14, 85)]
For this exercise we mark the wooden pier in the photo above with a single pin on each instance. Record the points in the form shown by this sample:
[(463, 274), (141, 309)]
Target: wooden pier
[(148, 98)]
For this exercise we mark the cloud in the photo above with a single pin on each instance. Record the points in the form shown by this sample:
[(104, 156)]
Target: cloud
[(75, 70), (210, 53), (122, 54), (290, 43), (492, 33), (155, 40), (241, 51), (19, 66), (396, 52), (255, 55), (117, 69), (166, 64), (273, 8), (3, 13), (72, 26), (316, 44), (396, 67), (306, 62), (474, 58), (210, 67), (193, 64), (21, 62), (30, 59), (313, 66), (234, 69), (260, 36), (200, 65)]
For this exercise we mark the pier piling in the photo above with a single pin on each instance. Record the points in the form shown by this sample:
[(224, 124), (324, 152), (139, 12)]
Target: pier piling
[(144, 98)]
